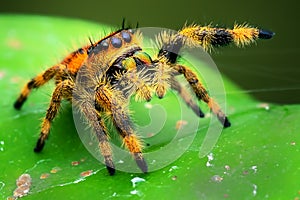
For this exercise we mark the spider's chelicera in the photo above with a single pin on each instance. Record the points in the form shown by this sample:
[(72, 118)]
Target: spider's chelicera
[(101, 77)]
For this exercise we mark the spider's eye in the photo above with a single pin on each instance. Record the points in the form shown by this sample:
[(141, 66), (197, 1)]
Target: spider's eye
[(104, 44), (81, 51), (126, 36), (131, 31), (116, 42), (90, 49)]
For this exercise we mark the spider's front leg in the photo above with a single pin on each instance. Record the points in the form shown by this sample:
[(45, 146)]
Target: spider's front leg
[(125, 127), (208, 37), (202, 93), (113, 102), (63, 90), (100, 130)]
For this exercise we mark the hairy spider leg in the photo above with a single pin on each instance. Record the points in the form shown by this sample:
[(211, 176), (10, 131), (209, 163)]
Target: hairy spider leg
[(67, 67), (63, 90), (113, 102), (206, 37), (130, 140), (209, 37), (36, 82), (186, 96), (85, 101), (100, 130), (202, 93)]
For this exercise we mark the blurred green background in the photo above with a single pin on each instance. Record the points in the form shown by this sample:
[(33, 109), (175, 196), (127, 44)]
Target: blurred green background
[(268, 70)]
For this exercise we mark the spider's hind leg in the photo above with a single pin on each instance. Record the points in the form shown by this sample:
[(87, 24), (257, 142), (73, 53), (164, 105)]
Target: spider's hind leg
[(202, 93), (185, 95)]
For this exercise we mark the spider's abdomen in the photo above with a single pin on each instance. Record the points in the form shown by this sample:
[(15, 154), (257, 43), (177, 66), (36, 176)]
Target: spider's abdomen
[(74, 61)]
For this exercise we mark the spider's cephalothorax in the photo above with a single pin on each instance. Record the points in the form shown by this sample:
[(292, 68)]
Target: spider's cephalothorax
[(100, 78)]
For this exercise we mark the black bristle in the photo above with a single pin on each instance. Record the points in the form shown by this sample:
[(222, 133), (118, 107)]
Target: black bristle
[(123, 23), (90, 39)]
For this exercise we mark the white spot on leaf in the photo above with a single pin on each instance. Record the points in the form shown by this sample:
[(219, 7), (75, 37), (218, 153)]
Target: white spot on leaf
[(136, 180)]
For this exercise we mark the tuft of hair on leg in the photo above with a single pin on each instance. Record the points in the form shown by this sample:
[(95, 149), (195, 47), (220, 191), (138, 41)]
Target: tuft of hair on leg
[(133, 144)]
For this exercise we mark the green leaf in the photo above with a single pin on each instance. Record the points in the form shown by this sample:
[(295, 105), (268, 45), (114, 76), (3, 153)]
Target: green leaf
[(258, 157)]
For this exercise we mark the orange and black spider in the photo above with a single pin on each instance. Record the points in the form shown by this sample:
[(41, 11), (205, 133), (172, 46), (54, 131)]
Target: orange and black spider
[(116, 67)]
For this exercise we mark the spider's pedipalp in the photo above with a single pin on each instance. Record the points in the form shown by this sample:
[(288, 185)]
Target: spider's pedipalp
[(135, 82), (162, 78), (62, 90)]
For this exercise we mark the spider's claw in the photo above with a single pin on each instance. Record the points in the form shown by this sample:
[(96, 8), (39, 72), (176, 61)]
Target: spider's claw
[(226, 123), (110, 165), (200, 113), (141, 163), (39, 145), (19, 102), (110, 170)]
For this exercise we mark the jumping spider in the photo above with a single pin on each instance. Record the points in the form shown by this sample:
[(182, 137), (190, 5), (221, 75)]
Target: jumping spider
[(116, 67)]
